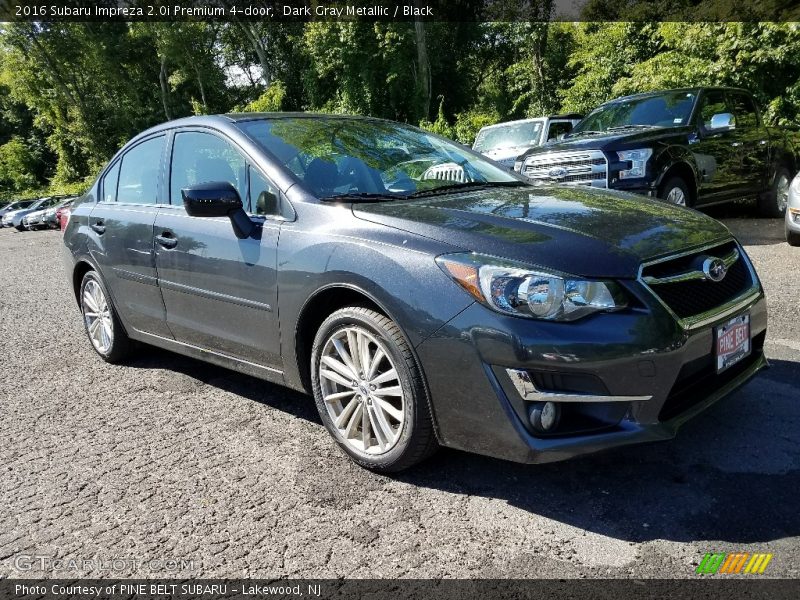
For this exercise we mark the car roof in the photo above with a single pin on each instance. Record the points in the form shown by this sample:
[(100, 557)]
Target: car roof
[(694, 90)]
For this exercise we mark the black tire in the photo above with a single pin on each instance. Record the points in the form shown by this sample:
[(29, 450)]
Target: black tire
[(121, 345), (792, 237), (416, 439), (676, 185), (772, 204), (19, 227)]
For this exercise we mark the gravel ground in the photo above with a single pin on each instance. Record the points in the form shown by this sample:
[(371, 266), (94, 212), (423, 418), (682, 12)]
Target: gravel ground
[(170, 458)]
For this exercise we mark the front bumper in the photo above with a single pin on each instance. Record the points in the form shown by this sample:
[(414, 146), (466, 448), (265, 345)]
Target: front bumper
[(641, 353), (793, 218)]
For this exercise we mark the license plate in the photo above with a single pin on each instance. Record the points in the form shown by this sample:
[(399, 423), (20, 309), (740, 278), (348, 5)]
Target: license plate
[(732, 341)]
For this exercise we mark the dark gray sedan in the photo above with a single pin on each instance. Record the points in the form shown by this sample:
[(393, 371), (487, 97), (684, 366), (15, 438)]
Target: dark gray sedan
[(421, 293)]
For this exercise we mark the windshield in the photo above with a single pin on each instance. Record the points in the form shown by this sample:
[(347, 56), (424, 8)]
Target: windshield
[(335, 156), (669, 109), (508, 136)]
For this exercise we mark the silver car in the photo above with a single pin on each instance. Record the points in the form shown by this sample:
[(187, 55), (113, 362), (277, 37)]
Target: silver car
[(793, 213)]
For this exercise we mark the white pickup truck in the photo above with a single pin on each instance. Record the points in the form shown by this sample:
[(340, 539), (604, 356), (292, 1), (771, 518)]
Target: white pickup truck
[(504, 142)]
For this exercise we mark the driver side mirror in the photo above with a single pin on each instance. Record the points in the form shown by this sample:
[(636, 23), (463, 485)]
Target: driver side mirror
[(722, 121), (218, 199)]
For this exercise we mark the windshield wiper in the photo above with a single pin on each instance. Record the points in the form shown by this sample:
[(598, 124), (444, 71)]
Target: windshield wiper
[(447, 189), (632, 126), (363, 197), (587, 132)]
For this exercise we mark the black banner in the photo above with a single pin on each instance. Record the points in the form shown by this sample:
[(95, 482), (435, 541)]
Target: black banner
[(723, 588), (400, 10)]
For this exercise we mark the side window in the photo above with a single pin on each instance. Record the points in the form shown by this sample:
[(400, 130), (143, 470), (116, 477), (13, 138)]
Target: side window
[(744, 111), (264, 197), (556, 129), (138, 174), (713, 103), (110, 183), (203, 158)]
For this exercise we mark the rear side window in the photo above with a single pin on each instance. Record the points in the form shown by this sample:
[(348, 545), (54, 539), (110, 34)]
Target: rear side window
[(205, 158), (138, 174), (110, 183)]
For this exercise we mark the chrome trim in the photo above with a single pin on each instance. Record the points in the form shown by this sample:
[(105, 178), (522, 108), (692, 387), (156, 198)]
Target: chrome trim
[(690, 275), (528, 391), (538, 167), (734, 305)]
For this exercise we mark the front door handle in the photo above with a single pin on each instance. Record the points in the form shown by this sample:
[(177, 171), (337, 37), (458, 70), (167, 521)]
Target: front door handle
[(167, 240), (98, 227)]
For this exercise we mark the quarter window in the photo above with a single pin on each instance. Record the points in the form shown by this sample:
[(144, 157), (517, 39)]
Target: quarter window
[(264, 198), (204, 158), (110, 183), (138, 174)]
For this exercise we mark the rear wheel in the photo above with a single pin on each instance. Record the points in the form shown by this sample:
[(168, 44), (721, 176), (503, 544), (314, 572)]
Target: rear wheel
[(369, 390), (773, 203), (675, 191), (102, 325)]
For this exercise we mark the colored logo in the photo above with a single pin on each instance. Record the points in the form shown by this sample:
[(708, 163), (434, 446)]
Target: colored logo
[(714, 269), (557, 173), (733, 562)]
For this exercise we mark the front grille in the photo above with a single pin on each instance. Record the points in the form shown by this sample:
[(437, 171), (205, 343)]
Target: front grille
[(699, 378), (572, 168), (693, 297)]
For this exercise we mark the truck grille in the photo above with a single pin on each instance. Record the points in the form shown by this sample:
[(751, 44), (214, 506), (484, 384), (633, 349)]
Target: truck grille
[(573, 168), (682, 286)]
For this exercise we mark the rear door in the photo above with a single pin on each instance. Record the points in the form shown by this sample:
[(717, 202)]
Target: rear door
[(121, 226), (220, 292), (752, 143)]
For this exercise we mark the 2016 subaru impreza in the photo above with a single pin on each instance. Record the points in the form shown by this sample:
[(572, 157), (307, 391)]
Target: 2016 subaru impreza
[(423, 294)]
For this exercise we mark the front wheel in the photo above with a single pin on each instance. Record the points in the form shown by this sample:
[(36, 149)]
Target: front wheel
[(675, 191), (369, 390), (773, 203), (103, 327)]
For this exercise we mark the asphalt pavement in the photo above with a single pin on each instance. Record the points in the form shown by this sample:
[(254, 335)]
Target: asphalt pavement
[(172, 467)]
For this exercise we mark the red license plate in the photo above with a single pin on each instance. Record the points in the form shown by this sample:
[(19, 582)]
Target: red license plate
[(732, 341)]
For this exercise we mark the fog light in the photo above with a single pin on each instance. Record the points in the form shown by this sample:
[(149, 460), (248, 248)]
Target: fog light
[(544, 416)]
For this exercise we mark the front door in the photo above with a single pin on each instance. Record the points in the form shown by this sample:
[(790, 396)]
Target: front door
[(716, 150), (220, 292), (121, 224)]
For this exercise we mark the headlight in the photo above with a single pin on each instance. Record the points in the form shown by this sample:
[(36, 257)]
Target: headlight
[(638, 159), (515, 289)]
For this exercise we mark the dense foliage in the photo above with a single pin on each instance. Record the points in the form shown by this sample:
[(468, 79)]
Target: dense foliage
[(72, 93)]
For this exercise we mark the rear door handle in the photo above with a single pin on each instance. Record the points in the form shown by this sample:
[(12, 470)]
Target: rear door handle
[(98, 227), (167, 240)]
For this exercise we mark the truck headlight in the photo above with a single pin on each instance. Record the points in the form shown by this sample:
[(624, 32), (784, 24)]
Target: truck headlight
[(638, 159), (515, 289)]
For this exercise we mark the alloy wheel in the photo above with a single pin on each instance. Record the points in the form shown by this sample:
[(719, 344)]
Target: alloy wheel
[(97, 316), (676, 196), (362, 391)]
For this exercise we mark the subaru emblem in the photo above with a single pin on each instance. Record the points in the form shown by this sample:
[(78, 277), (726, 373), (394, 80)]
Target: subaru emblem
[(714, 269)]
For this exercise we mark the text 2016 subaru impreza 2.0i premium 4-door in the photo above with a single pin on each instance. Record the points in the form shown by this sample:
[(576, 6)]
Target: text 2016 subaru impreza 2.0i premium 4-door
[(421, 293)]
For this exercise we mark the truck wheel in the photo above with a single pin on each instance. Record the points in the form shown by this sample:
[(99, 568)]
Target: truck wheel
[(675, 191), (792, 237), (773, 203)]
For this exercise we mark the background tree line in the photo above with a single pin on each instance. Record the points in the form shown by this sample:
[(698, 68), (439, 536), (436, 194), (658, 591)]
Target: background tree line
[(72, 93)]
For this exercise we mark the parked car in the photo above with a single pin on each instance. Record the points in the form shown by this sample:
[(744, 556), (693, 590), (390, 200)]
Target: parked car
[(11, 207), (504, 142), (793, 213), (14, 218), (63, 212), (421, 293), (693, 147), (35, 220)]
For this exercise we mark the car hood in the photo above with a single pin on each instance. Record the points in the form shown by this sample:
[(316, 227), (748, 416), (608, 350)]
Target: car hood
[(579, 231), (633, 138)]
